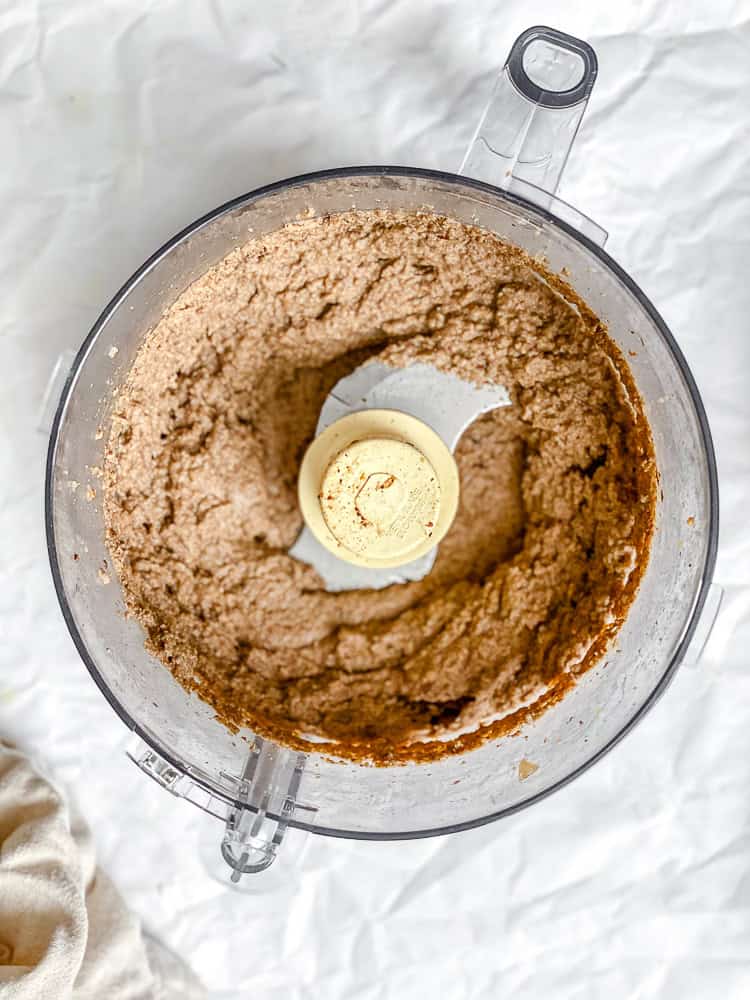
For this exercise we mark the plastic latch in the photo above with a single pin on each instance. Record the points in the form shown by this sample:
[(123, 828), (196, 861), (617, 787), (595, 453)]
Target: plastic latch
[(158, 769), (709, 614), (266, 801), (53, 391), (177, 782)]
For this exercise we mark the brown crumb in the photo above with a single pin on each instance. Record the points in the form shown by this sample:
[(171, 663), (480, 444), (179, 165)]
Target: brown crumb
[(526, 768)]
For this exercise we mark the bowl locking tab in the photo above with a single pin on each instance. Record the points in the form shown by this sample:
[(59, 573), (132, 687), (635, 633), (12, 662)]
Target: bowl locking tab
[(266, 801)]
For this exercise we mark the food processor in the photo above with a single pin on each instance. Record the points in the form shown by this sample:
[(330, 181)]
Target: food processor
[(260, 790)]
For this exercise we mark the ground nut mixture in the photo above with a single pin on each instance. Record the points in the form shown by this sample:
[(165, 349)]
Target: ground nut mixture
[(557, 490)]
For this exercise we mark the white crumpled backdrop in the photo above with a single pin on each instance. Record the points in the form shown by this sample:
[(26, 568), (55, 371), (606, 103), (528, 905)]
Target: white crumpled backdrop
[(120, 122)]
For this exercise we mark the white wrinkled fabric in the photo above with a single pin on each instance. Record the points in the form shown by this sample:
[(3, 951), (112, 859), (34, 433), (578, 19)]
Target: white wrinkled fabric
[(65, 933), (120, 122)]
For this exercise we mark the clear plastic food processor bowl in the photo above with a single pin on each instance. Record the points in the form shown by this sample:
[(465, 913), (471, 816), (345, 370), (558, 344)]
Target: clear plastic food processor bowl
[(259, 789)]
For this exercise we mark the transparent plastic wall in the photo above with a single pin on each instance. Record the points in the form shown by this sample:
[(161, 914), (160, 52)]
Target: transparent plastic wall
[(411, 799)]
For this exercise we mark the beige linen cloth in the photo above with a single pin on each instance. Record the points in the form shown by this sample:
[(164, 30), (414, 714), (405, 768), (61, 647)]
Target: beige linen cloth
[(64, 930)]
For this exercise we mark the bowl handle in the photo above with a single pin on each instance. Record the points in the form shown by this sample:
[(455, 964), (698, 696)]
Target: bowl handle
[(528, 128)]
